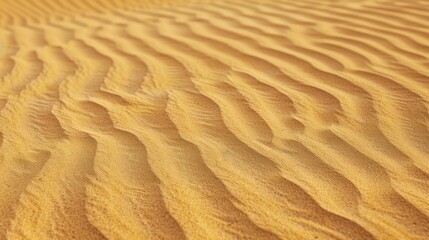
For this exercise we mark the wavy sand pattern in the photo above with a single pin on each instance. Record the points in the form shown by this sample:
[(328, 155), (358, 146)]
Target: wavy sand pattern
[(151, 119)]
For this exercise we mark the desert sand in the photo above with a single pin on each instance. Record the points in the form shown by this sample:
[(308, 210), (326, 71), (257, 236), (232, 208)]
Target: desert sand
[(214, 119)]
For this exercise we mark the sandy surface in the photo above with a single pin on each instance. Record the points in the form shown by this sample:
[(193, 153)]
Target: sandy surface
[(235, 119)]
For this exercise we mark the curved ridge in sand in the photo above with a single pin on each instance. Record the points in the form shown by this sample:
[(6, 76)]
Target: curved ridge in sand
[(223, 120)]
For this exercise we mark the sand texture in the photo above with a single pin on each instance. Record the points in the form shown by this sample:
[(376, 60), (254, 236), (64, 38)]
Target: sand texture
[(214, 119)]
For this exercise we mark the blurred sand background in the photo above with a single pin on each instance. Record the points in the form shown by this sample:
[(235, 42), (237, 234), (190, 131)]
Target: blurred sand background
[(227, 119)]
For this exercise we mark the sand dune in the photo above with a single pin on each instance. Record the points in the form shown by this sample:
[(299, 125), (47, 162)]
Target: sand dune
[(151, 119)]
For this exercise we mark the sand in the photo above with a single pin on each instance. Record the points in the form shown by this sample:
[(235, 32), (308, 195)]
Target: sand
[(227, 119)]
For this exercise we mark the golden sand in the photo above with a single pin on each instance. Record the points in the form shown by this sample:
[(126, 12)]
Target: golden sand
[(228, 119)]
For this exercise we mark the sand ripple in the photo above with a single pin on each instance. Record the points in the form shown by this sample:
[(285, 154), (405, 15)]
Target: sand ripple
[(214, 119)]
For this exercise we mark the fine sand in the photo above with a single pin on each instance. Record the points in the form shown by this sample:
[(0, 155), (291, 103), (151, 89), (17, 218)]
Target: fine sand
[(214, 119)]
